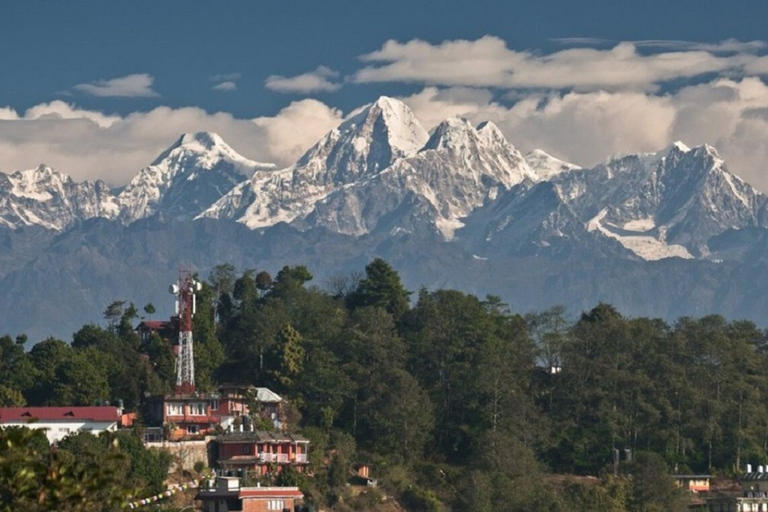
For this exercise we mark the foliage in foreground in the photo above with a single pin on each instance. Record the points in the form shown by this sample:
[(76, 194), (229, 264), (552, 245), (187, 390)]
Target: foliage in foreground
[(84, 473), (454, 400)]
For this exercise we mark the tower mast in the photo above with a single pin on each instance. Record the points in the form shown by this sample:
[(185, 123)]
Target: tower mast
[(185, 309)]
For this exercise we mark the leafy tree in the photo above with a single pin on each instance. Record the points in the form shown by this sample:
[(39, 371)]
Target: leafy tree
[(290, 278), (446, 332), (340, 466), (222, 278), (263, 282), (150, 310), (114, 312), (81, 379), (652, 488), (161, 360), (288, 357), (33, 477), (382, 288), (10, 397), (17, 371), (46, 357), (209, 351)]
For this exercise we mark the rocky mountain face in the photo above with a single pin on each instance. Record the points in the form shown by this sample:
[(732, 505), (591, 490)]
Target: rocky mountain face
[(665, 234), (423, 191), (656, 206), (52, 200), (186, 179), (361, 147)]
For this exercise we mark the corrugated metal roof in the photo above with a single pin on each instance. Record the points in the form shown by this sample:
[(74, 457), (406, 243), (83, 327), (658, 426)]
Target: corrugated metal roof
[(267, 395), (25, 414)]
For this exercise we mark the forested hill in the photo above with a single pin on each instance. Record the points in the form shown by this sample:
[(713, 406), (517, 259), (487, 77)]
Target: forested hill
[(454, 400)]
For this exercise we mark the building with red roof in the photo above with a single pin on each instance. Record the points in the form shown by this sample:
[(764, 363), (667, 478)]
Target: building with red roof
[(62, 421)]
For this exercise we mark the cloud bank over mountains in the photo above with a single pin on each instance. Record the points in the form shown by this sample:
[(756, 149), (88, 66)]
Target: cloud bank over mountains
[(581, 102)]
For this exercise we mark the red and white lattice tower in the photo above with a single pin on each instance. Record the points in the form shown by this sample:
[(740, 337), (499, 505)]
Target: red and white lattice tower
[(185, 308)]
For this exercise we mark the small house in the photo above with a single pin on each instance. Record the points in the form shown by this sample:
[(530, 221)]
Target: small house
[(59, 422), (225, 494)]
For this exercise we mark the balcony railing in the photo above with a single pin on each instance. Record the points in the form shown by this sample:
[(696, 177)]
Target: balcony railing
[(282, 458)]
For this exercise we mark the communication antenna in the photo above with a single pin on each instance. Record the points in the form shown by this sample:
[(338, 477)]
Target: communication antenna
[(184, 291)]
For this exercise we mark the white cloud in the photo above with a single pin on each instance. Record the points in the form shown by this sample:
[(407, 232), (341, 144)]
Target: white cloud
[(580, 104), (131, 86), (225, 82), (318, 80), (433, 105), (726, 46), (487, 62), (90, 145), (225, 86), (587, 127), (297, 127), (8, 114)]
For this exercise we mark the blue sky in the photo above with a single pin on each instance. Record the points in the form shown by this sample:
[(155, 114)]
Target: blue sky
[(96, 89)]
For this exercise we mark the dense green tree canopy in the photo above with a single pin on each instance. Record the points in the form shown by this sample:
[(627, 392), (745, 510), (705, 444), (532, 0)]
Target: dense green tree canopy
[(455, 400)]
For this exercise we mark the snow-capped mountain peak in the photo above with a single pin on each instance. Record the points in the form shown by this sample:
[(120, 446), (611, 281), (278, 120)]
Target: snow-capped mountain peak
[(404, 132), (367, 142), (457, 133), (205, 150), (663, 204), (186, 178), (454, 133), (546, 166), (491, 134), (459, 169), (45, 197)]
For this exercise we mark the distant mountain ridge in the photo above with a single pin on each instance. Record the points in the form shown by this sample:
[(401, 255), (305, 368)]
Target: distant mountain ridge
[(379, 185)]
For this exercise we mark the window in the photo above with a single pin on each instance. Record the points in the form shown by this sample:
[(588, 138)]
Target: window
[(193, 429), (197, 409), (64, 430), (174, 409), (214, 405), (275, 505), (246, 449)]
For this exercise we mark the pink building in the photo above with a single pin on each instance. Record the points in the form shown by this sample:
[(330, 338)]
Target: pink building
[(261, 450)]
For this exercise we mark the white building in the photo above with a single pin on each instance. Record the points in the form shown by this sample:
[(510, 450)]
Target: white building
[(61, 421)]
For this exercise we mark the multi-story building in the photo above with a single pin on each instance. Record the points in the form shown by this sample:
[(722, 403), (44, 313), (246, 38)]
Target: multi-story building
[(194, 415), (262, 451), (184, 415), (235, 403), (225, 494)]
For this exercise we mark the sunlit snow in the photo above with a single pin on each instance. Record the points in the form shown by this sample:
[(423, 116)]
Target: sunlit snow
[(647, 247)]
